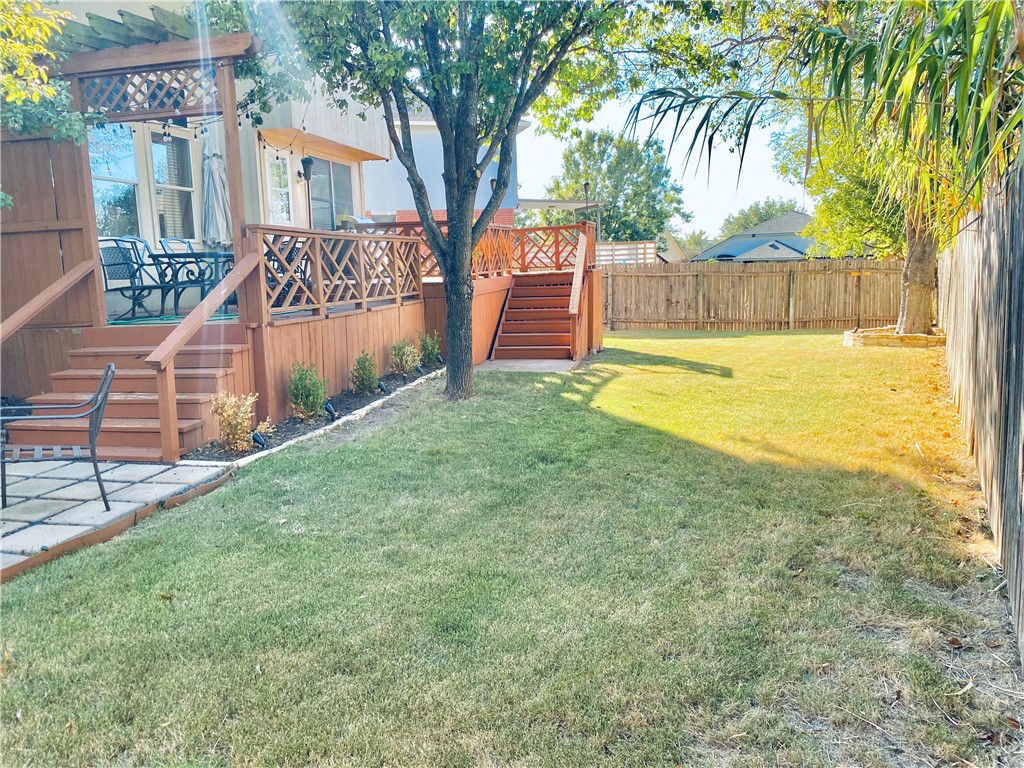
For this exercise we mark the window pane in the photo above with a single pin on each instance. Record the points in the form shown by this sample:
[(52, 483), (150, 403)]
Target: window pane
[(172, 161), (279, 195), (117, 210), (112, 151), (321, 204), (342, 176), (174, 213)]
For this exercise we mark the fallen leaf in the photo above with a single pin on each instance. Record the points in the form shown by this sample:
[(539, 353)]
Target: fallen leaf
[(1014, 722), (995, 738), (166, 596), (954, 642), (946, 434), (993, 643)]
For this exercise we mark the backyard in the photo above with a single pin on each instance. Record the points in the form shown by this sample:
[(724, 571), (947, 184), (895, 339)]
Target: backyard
[(700, 549)]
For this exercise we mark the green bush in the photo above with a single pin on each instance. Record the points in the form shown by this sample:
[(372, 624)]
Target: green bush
[(364, 376), (430, 348), (307, 391), (404, 356)]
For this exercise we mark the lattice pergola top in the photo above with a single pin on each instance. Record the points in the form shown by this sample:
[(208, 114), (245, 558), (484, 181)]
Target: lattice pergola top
[(148, 69), (102, 32)]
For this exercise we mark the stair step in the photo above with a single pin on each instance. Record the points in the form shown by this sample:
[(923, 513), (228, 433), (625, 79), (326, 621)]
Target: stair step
[(111, 453), (533, 313), (140, 380), (536, 326), (506, 339), (115, 433), (133, 405), (543, 302), (212, 332), (538, 291), (202, 356), (543, 278), (532, 353)]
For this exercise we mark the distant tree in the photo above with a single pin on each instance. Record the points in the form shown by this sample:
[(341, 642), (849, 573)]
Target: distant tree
[(527, 217), (855, 211), (757, 213), (698, 240), (630, 178)]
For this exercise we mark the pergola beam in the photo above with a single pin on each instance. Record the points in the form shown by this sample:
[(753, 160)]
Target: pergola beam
[(169, 54)]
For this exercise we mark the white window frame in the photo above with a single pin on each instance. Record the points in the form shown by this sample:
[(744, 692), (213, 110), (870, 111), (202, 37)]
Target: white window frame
[(144, 149), (271, 156)]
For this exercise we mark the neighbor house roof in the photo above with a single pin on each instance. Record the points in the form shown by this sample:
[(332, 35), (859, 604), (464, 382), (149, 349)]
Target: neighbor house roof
[(775, 239)]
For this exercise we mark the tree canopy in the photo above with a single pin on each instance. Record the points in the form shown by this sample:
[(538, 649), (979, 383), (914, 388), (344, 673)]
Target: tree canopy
[(631, 178), (757, 213)]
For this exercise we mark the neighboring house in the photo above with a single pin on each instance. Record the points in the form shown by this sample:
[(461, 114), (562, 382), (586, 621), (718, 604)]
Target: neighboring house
[(388, 197), (777, 239)]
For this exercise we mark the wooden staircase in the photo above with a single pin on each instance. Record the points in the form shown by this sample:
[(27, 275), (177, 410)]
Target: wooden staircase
[(214, 360), (536, 322)]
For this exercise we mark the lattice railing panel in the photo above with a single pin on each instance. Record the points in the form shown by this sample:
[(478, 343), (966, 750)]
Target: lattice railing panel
[(381, 270), (185, 91), (288, 264), (409, 260), (340, 270)]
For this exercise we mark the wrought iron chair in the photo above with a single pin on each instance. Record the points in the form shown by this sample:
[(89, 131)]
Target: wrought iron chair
[(94, 408), (172, 245), (124, 275)]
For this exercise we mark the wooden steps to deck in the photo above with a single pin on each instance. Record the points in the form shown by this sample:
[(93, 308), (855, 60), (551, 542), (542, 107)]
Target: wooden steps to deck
[(131, 424), (536, 322)]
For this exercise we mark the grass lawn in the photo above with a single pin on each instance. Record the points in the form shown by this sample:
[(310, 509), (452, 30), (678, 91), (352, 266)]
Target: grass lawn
[(702, 549)]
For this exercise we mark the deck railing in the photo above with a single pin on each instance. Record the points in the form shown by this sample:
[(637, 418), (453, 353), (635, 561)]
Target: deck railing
[(540, 249), (321, 272)]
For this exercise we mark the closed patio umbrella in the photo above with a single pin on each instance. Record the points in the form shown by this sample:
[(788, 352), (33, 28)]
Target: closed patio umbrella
[(216, 211)]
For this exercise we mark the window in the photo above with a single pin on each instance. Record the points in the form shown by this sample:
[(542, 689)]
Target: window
[(279, 190), (330, 194), (173, 186), (115, 180)]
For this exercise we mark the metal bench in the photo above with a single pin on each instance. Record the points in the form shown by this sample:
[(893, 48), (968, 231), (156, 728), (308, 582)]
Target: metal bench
[(93, 408)]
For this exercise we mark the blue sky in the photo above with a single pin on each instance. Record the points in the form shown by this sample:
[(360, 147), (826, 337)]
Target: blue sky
[(710, 200)]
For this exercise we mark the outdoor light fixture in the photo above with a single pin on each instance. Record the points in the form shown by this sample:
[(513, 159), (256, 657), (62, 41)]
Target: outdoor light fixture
[(383, 387), (259, 440), (331, 413), (494, 184), (440, 360), (586, 192), (307, 169), (419, 369)]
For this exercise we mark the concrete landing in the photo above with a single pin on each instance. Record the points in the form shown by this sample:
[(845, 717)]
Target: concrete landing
[(528, 366)]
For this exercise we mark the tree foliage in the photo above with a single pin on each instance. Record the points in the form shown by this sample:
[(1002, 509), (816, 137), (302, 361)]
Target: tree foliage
[(855, 213), (757, 213), (632, 179), (26, 27)]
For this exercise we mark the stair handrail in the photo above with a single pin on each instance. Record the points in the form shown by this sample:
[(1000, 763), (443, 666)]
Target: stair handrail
[(164, 354), (45, 298), (162, 358)]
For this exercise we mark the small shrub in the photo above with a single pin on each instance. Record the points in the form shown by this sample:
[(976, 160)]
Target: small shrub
[(364, 376), (404, 356), (430, 348), (307, 391), (234, 415)]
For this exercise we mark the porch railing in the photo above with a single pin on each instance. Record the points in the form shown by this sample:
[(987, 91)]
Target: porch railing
[(321, 272), (540, 249), (494, 254)]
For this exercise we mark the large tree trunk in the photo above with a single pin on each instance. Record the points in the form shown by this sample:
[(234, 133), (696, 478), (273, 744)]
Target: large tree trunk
[(918, 283), (458, 293)]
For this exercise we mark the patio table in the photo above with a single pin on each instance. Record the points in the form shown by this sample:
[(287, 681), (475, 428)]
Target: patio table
[(201, 270)]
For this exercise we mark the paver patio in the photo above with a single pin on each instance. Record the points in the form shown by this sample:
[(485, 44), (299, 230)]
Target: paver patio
[(52, 502)]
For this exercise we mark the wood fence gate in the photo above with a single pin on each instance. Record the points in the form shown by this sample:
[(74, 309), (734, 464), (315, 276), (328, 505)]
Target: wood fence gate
[(825, 293)]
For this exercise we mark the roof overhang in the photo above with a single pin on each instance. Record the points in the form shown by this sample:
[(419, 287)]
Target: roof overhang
[(330, 150), (560, 205)]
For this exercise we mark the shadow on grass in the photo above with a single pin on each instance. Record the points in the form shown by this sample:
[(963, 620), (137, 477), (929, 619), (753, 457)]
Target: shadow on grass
[(525, 578)]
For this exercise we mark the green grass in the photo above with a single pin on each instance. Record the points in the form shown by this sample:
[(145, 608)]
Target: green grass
[(703, 549)]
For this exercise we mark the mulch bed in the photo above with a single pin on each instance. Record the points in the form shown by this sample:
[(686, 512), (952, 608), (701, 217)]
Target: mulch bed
[(343, 404)]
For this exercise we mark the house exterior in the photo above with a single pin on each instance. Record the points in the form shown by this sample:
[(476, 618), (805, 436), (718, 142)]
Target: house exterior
[(255, 288), (388, 197), (777, 239)]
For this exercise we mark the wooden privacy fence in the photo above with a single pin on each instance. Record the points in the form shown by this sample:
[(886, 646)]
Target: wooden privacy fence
[(826, 293), (981, 308), (334, 271)]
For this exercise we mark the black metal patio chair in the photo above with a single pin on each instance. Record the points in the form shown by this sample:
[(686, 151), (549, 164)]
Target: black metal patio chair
[(123, 275), (172, 245), (93, 408)]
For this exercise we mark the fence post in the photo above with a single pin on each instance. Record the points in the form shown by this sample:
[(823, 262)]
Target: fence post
[(700, 301), (860, 295), (792, 299)]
